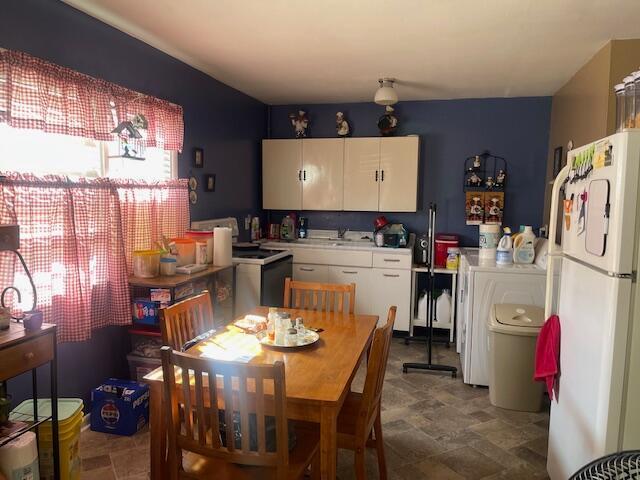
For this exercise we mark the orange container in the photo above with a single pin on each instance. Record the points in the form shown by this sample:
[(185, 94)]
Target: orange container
[(184, 249), (203, 236)]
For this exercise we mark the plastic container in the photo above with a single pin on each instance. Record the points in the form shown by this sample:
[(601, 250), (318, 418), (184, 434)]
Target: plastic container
[(442, 242), (185, 251), (168, 266), (453, 258), (203, 236), (488, 241), (524, 246), (19, 458), (146, 263), (629, 102), (513, 331), (423, 307), (140, 366), (504, 253), (69, 423), (443, 307), (620, 99)]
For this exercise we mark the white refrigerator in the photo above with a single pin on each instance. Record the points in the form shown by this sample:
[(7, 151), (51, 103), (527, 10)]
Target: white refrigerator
[(597, 411)]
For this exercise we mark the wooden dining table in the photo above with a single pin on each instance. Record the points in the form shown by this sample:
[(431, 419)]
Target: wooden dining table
[(318, 376)]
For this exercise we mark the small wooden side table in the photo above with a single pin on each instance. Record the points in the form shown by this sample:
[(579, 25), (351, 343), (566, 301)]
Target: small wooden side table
[(22, 351)]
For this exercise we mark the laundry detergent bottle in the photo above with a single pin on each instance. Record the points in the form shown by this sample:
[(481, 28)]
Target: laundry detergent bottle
[(523, 246), (504, 254)]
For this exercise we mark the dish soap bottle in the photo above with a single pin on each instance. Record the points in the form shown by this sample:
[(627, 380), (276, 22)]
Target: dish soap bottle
[(523, 246), (443, 307), (504, 254)]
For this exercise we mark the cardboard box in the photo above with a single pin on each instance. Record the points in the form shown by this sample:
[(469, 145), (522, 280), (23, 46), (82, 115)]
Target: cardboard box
[(120, 407)]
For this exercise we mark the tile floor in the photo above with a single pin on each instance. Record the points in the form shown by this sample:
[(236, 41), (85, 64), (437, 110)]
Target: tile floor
[(435, 427)]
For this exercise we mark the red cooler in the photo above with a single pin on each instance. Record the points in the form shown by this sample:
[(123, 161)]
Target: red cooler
[(443, 242)]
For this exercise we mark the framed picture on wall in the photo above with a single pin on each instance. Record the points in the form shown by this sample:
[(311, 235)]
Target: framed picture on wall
[(557, 161), (198, 157), (210, 182)]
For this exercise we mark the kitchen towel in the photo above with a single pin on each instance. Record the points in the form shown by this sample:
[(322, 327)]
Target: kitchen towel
[(222, 246), (547, 364)]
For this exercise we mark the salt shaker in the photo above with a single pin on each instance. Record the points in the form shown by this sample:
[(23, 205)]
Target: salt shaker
[(300, 330)]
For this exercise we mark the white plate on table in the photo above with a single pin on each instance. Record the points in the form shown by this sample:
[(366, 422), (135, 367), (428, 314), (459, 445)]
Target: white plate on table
[(310, 337)]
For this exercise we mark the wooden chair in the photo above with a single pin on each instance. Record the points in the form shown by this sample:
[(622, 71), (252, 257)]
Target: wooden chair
[(326, 297), (360, 414), (185, 320), (196, 447)]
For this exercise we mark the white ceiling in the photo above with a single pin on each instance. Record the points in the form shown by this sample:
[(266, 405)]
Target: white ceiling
[(304, 51)]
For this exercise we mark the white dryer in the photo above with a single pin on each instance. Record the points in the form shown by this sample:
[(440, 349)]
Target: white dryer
[(480, 285)]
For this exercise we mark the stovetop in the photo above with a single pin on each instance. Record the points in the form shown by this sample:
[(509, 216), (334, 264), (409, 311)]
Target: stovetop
[(257, 255)]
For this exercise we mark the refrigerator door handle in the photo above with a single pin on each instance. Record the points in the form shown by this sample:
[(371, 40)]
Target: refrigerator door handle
[(553, 249)]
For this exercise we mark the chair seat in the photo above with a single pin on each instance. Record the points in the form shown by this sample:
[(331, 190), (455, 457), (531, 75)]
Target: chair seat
[(307, 444)]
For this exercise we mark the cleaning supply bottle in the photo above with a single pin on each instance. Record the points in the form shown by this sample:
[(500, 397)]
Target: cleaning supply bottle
[(443, 307), (504, 254), (523, 246)]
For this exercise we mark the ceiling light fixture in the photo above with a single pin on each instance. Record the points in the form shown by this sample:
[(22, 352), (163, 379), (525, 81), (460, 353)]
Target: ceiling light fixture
[(386, 95)]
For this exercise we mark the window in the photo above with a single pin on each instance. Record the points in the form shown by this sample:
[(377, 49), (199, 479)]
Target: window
[(41, 153)]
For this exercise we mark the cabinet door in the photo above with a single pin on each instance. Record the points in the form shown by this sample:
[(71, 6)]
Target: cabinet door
[(391, 287), (361, 175), (398, 174), (282, 174), (311, 273), (322, 173), (359, 276)]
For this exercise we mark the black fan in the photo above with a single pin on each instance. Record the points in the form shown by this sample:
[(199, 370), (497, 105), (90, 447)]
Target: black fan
[(618, 466)]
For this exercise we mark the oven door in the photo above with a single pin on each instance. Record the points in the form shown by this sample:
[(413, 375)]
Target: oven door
[(273, 276)]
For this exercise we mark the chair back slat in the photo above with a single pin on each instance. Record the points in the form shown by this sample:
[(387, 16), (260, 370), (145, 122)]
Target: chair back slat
[(325, 297), (376, 367), (194, 410), (185, 320)]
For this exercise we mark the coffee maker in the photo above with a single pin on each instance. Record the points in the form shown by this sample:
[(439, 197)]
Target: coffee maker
[(421, 250)]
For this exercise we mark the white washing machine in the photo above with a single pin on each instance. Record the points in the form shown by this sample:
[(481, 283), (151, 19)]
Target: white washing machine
[(480, 285)]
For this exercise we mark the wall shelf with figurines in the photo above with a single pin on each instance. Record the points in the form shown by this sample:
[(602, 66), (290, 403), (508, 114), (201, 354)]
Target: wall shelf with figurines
[(484, 182)]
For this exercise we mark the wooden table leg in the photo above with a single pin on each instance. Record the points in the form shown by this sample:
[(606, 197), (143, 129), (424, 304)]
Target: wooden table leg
[(157, 432), (328, 442)]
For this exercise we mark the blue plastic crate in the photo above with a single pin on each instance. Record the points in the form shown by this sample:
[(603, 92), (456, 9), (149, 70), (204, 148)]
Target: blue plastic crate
[(120, 407)]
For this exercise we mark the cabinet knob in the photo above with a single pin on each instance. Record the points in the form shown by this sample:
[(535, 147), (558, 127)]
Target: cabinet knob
[(29, 356)]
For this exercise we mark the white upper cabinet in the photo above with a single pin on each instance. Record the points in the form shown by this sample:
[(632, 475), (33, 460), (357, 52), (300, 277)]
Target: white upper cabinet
[(322, 173), (355, 174), (282, 174), (361, 173), (398, 174)]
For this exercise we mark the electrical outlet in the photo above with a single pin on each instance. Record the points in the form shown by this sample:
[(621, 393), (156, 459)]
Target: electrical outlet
[(9, 237)]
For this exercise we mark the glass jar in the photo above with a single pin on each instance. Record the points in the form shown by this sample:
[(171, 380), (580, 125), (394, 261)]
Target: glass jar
[(620, 99), (629, 102)]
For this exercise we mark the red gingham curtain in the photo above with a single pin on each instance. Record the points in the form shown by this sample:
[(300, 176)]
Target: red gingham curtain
[(39, 95), (75, 238)]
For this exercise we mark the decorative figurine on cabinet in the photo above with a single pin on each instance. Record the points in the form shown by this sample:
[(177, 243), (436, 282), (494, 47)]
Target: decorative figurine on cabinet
[(476, 162), (500, 179), (388, 123), (474, 180), (342, 126), (489, 183), (300, 123)]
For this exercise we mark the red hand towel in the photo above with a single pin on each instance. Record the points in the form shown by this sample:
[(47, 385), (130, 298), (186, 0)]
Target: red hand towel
[(548, 355)]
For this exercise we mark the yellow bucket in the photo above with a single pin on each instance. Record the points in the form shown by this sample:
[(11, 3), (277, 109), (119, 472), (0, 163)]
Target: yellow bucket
[(69, 424)]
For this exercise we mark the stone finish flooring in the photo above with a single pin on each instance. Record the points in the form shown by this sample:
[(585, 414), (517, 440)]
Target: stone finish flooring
[(435, 427)]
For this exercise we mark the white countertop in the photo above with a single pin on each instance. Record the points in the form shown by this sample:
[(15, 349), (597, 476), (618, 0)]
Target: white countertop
[(366, 246), (477, 264)]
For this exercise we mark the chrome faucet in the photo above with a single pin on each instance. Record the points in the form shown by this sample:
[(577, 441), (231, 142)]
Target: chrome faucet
[(342, 232)]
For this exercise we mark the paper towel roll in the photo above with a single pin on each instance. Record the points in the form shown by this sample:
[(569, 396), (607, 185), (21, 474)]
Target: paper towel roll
[(222, 246), (19, 458)]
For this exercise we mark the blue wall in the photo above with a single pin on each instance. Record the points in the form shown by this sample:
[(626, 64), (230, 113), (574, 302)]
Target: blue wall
[(450, 131), (226, 123)]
